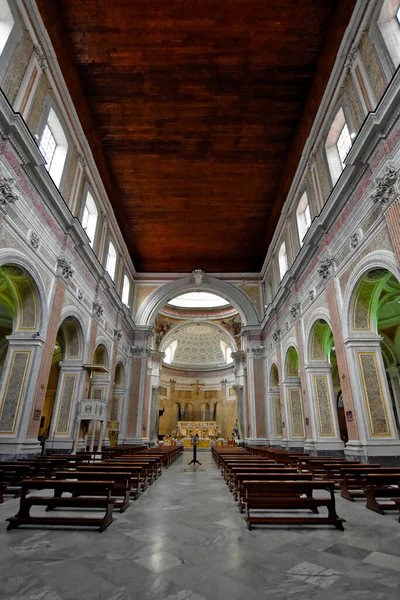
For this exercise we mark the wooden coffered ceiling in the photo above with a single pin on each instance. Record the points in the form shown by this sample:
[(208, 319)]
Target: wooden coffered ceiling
[(197, 112)]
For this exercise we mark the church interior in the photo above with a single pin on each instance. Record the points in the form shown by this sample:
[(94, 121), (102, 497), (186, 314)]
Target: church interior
[(199, 299)]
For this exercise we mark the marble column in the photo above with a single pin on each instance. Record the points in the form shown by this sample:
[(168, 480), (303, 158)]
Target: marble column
[(353, 445), (17, 393), (47, 357), (240, 371), (309, 441)]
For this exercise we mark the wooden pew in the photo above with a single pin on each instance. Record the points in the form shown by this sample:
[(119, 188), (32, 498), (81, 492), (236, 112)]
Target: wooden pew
[(381, 485), (353, 479), (137, 479), (13, 475), (397, 504), (2, 487), (289, 495), (259, 469), (121, 484), (240, 492), (97, 494)]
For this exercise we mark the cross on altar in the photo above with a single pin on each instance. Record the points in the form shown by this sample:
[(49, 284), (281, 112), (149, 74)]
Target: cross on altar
[(198, 386)]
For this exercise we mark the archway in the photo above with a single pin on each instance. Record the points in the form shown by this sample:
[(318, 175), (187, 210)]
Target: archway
[(293, 397), (63, 384), (374, 343), (321, 355), (20, 322), (276, 420)]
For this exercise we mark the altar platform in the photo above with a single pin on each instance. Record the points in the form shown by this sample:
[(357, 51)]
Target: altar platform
[(204, 429)]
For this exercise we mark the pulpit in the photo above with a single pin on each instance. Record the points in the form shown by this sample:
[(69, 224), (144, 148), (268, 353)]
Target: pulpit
[(90, 412)]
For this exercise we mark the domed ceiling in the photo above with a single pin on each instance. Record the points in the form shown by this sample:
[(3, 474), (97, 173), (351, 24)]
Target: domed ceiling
[(199, 345)]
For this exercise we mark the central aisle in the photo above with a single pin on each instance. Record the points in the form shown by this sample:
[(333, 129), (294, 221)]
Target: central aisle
[(184, 539)]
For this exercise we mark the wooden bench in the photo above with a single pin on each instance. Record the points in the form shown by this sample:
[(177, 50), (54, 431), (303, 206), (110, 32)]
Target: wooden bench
[(137, 479), (353, 478), (381, 485), (289, 495), (397, 504), (240, 492), (263, 469), (90, 489), (13, 475), (121, 484)]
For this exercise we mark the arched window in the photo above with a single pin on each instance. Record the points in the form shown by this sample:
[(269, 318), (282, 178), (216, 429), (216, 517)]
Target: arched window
[(54, 147), (170, 351), (89, 217), (389, 25), (126, 288), (303, 217), (337, 146), (283, 260), (111, 261), (6, 23)]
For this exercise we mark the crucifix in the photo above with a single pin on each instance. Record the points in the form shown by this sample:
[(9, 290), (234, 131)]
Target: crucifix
[(198, 386)]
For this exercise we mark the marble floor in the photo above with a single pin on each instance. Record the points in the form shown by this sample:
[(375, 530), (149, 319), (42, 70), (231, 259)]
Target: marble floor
[(184, 539)]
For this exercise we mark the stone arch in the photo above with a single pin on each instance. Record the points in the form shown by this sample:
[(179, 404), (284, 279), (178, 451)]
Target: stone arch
[(170, 335), (320, 339), (72, 332), (382, 259), (292, 362), (101, 354), (158, 298), (274, 375), (119, 378), (39, 301), (19, 293)]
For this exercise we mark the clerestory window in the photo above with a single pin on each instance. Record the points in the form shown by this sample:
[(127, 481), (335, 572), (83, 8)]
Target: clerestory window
[(338, 145), (111, 261), (303, 217), (6, 24), (283, 260), (126, 287), (54, 147), (89, 217)]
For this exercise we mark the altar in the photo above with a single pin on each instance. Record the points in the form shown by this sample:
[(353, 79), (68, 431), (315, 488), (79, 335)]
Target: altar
[(204, 429)]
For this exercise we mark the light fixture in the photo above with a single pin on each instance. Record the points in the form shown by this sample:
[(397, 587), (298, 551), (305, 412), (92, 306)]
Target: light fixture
[(35, 335), (353, 135)]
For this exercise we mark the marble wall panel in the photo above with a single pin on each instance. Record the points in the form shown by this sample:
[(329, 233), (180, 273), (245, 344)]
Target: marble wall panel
[(296, 412), (323, 400), (373, 394), (66, 398), (276, 409), (14, 390)]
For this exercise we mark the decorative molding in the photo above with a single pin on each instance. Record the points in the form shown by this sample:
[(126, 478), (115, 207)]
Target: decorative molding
[(354, 240), (64, 268), (324, 270), (256, 350), (97, 310), (276, 335), (34, 240), (80, 294), (7, 195), (351, 58), (311, 295), (82, 161), (295, 310), (138, 352), (41, 57), (117, 335), (197, 277), (386, 188)]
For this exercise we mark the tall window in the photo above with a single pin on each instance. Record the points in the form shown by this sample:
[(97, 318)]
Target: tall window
[(337, 145), (303, 217), (283, 260), (343, 144), (89, 217), (126, 287), (54, 147), (6, 23), (111, 261)]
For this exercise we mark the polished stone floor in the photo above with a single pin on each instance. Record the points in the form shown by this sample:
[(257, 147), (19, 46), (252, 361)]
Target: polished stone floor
[(184, 539)]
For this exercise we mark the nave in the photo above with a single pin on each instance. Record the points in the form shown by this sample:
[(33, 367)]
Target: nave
[(184, 539)]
